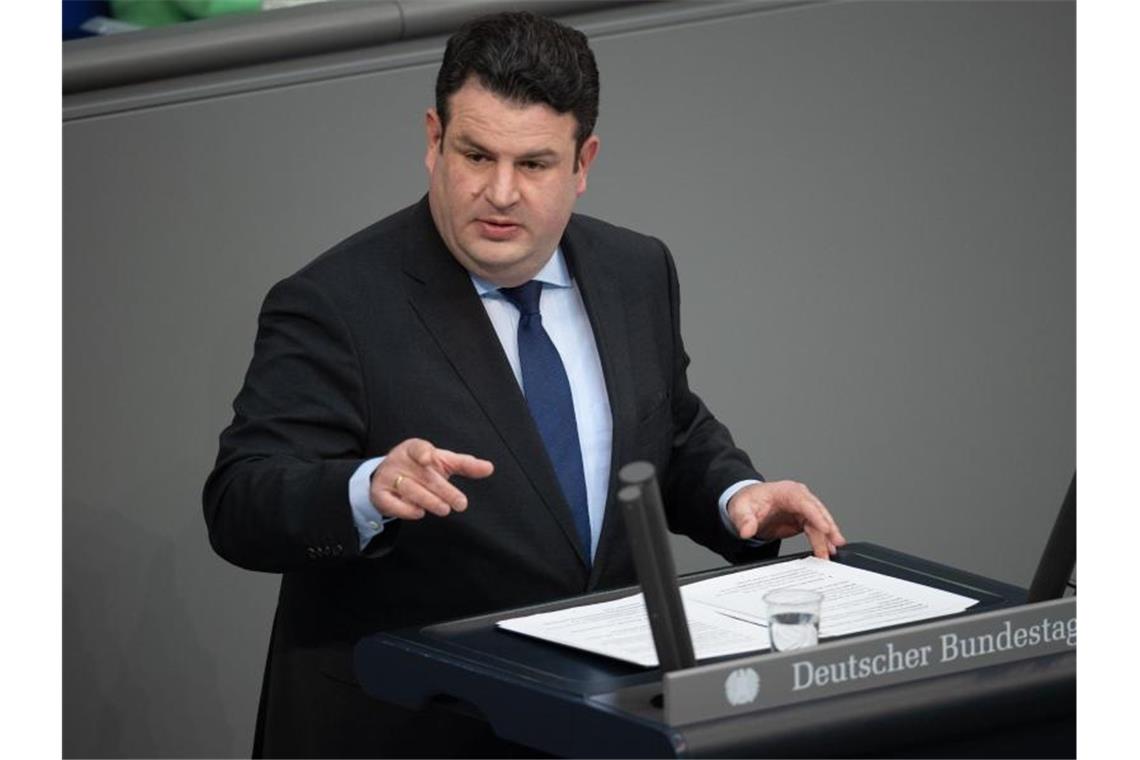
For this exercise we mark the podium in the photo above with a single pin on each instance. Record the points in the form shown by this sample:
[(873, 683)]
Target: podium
[(565, 702)]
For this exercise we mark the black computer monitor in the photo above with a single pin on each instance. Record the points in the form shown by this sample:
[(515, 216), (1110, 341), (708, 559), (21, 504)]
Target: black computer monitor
[(1055, 569)]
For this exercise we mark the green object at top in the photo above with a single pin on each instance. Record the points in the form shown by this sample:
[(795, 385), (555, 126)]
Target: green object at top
[(163, 12), (208, 8)]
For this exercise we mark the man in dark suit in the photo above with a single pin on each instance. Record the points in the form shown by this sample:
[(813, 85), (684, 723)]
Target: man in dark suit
[(437, 407)]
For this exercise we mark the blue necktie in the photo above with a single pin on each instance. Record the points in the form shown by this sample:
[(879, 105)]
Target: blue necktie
[(547, 391)]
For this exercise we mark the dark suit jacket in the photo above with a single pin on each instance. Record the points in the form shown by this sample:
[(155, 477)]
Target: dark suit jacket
[(381, 339)]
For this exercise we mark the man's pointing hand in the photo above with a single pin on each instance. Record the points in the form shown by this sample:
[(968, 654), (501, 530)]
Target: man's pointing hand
[(413, 480)]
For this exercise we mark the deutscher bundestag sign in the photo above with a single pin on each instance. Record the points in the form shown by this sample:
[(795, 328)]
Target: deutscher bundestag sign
[(870, 661)]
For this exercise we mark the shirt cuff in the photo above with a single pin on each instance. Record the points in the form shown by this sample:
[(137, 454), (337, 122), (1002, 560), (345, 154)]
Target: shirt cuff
[(723, 504), (369, 522)]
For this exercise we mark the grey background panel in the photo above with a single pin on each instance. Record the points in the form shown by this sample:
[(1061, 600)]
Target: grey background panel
[(875, 242), (872, 210)]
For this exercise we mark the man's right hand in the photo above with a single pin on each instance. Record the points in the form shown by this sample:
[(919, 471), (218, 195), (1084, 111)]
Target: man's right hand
[(413, 480)]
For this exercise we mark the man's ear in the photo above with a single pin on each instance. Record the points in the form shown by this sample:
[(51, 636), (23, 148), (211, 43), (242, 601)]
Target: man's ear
[(433, 131), (586, 158)]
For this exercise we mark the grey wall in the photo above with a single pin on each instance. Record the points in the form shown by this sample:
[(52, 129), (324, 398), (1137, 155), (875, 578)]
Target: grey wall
[(872, 210)]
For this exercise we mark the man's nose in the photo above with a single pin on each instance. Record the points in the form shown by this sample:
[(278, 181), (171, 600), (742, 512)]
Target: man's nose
[(503, 189)]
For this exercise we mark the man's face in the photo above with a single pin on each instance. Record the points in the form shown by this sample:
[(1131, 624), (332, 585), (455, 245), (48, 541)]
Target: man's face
[(502, 184)]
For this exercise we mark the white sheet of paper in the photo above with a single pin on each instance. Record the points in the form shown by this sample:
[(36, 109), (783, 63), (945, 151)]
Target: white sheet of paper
[(726, 613), (854, 600), (620, 629)]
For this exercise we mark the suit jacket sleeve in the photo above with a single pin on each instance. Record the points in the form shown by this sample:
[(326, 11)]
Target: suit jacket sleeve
[(704, 460), (277, 498)]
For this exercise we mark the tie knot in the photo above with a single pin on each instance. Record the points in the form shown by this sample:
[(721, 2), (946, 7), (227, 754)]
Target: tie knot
[(525, 297)]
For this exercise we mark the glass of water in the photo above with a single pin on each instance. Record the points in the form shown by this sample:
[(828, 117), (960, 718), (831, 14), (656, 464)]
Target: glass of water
[(793, 618)]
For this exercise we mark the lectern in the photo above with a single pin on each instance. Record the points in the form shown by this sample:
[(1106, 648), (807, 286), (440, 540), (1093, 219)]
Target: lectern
[(570, 703)]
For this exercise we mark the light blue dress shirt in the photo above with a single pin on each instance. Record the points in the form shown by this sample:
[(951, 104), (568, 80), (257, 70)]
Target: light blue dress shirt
[(566, 322)]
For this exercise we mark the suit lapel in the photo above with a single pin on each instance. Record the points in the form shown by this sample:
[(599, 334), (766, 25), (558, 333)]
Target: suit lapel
[(599, 284), (445, 300)]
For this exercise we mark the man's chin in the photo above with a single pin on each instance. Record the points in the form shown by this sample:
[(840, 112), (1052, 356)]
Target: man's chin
[(502, 264), (492, 255)]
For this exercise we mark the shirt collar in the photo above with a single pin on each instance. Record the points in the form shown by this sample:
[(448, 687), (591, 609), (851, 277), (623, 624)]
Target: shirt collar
[(555, 274)]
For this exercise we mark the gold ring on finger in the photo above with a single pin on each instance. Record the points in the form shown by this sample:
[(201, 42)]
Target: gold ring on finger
[(396, 484)]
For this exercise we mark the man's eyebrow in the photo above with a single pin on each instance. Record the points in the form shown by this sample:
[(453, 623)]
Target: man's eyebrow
[(545, 153), (466, 143)]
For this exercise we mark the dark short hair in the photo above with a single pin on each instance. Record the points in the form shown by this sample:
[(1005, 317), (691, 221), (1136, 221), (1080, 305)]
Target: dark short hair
[(526, 59)]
